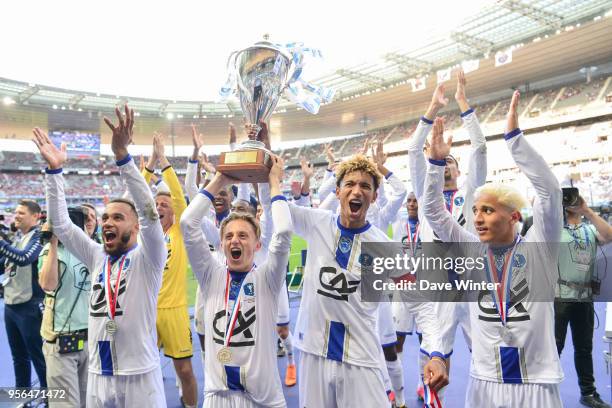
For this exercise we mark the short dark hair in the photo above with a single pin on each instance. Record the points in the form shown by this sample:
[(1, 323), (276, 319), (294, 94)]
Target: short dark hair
[(90, 206), (163, 193), (125, 201), (31, 205)]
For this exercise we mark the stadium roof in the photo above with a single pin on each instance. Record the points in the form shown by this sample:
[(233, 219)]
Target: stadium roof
[(506, 23)]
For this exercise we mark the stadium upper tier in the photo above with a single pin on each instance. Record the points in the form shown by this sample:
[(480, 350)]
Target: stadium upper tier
[(543, 38)]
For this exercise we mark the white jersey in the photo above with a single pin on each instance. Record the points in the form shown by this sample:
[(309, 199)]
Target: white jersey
[(528, 353), (133, 349), (252, 345), (333, 322), (459, 202)]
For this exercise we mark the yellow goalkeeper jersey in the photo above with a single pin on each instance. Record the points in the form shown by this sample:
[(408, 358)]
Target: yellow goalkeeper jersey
[(173, 292)]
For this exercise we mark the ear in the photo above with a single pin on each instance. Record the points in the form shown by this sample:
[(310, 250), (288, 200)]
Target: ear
[(515, 217), (258, 245), (337, 192), (374, 196)]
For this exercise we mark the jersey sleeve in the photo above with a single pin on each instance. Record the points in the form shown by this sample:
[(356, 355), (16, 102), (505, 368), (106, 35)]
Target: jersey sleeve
[(191, 175), (151, 233), (306, 219), (389, 212), (278, 250), (203, 263), (176, 192), (266, 221), (416, 158), (428, 324), (328, 185), (330, 203), (477, 172)]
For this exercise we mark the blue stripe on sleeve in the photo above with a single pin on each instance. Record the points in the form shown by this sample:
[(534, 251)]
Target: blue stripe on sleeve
[(278, 198), (510, 365), (53, 171), (424, 119), (125, 160), (467, 112), (388, 175), (513, 133), (437, 162), (207, 194), (106, 358), (335, 344)]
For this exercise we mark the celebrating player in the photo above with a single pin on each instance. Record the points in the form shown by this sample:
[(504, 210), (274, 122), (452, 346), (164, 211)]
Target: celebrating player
[(241, 298), (336, 331), (514, 357), (124, 367)]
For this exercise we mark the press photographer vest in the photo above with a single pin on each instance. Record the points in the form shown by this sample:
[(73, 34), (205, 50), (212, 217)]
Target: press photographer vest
[(23, 280)]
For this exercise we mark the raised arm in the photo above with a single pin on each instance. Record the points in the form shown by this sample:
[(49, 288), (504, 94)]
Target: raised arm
[(266, 221), (153, 242), (307, 173), (191, 184), (278, 249), (434, 208), (416, 158), (74, 239), (25, 256), (170, 178), (392, 204), (547, 208), (477, 172)]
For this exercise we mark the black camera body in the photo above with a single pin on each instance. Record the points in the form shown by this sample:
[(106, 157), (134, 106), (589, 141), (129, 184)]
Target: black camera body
[(77, 216), (570, 196)]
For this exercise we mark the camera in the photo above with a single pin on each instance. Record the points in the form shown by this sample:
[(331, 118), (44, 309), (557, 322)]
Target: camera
[(570, 196), (77, 216)]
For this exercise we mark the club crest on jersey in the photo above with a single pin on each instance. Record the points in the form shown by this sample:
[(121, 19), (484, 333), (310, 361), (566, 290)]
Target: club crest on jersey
[(366, 259), (459, 200), (249, 289), (345, 244), (519, 260)]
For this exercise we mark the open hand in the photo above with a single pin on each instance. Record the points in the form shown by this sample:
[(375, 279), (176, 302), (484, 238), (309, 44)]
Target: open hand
[(307, 168), (438, 100), (512, 118), (439, 149), (122, 133), (54, 157)]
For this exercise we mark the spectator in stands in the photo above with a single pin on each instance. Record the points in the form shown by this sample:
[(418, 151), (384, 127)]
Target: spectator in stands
[(66, 281), (575, 287), (23, 296)]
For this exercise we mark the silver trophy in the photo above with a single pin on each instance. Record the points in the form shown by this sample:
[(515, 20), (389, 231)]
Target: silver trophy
[(262, 74)]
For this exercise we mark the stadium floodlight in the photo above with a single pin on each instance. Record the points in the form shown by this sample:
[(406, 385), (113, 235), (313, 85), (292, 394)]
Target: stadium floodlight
[(7, 100), (54, 106), (169, 115)]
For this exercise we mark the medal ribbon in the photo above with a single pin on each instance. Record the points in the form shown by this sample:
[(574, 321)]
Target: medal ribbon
[(501, 293), (414, 239), (229, 331), (111, 298), (451, 206)]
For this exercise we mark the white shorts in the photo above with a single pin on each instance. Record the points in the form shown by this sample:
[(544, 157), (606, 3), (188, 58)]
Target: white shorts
[(481, 393), (199, 311), (283, 307), (403, 320), (229, 399), (451, 315), (386, 329), (329, 383), (126, 391)]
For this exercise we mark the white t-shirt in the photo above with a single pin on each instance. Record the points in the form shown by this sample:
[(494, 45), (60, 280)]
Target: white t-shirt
[(253, 343), (133, 348), (333, 321)]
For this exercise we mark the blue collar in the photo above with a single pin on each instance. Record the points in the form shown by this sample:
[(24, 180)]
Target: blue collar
[(113, 258), (221, 216), (353, 230)]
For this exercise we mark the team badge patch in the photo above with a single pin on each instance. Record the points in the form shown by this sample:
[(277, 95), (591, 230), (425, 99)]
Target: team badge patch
[(519, 260), (365, 259), (345, 244), (249, 289), (459, 200)]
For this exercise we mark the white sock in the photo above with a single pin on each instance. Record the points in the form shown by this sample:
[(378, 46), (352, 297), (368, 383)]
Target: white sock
[(289, 347), (396, 375)]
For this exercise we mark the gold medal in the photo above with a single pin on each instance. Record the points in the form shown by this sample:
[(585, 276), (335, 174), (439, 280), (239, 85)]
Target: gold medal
[(224, 355)]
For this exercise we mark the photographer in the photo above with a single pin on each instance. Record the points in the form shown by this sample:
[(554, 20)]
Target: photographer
[(23, 296), (66, 281), (575, 288)]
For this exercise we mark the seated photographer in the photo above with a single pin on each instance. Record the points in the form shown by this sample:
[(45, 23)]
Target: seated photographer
[(66, 281), (575, 288)]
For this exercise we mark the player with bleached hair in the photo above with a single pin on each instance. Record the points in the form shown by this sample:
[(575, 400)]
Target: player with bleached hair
[(336, 331), (514, 356)]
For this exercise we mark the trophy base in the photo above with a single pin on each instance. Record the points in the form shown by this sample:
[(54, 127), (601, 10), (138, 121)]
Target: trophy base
[(249, 166)]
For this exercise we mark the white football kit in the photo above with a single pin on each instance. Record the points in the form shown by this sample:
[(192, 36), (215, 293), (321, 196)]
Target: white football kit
[(459, 204), (241, 310), (523, 351), (123, 367), (336, 330)]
